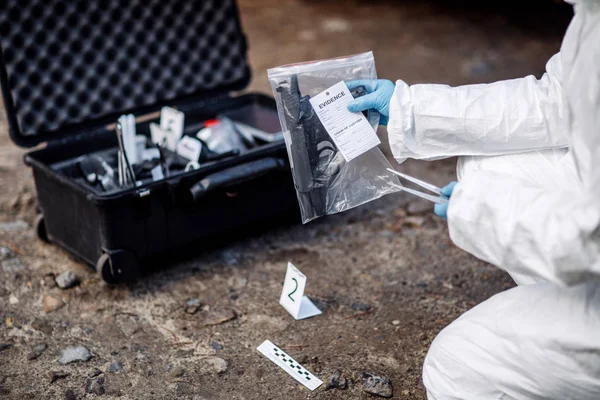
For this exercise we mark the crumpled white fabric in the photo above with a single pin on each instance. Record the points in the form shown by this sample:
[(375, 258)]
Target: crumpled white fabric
[(528, 202)]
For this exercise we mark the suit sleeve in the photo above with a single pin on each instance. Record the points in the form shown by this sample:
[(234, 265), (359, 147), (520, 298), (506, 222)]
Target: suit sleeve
[(437, 121)]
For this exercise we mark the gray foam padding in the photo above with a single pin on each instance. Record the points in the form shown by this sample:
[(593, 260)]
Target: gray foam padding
[(67, 62)]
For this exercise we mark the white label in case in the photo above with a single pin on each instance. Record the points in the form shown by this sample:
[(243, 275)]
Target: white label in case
[(292, 296), (189, 148), (172, 120), (289, 365), (158, 135), (351, 132)]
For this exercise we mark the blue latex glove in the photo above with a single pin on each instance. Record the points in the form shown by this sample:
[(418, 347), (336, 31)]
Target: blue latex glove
[(378, 100), (441, 210)]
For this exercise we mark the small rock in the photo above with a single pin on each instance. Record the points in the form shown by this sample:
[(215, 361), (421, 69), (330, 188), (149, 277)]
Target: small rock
[(95, 386), (53, 376), (230, 256), (52, 303), (42, 325), (115, 366), (69, 395), (95, 372), (4, 346), (177, 372), (413, 222), (12, 265), (13, 226), (481, 68), (13, 299), (217, 364), (396, 322), (358, 306), (5, 253), (336, 25), (419, 207), (37, 351), (216, 346), (378, 385), (184, 353), (66, 280), (405, 392), (192, 306), (74, 354), (337, 381), (217, 317)]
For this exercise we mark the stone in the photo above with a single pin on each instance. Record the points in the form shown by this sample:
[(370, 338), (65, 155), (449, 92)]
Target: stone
[(37, 351), (52, 304), (337, 381), (14, 226), (5, 253), (336, 25), (396, 322), (217, 364), (217, 317), (95, 386), (413, 222), (115, 366), (95, 372), (5, 346), (74, 354), (358, 306), (192, 306), (378, 385), (481, 68), (216, 346), (177, 372), (53, 376), (230, 256), (42, 325), (70, 395), (12, 265), (66, 280), (13, 299)]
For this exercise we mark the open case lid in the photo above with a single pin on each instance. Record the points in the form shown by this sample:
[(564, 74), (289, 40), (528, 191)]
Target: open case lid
[(69, 66)]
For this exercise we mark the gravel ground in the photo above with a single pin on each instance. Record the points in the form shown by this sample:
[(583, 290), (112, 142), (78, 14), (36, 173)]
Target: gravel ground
[(385, 275)]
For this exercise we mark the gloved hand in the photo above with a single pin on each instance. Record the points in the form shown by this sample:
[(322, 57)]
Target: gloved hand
[(441, 210), (378, 100)]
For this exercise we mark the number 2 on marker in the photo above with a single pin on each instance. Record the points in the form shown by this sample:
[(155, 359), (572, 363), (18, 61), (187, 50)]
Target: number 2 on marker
[(293, 291)]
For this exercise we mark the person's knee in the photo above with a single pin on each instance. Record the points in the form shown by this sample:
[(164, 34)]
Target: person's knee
[(440, 366)]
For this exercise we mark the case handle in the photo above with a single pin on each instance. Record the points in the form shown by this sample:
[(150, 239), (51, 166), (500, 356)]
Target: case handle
[(236, 175)]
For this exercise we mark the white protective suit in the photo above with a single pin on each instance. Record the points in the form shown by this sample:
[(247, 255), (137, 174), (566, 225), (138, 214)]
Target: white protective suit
[(528, 202)]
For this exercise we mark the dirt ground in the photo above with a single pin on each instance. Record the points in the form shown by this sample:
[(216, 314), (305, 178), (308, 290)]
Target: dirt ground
[(386, 275)]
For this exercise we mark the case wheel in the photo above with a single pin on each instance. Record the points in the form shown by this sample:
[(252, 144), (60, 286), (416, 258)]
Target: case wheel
[(104, 269), (117, 266), (40, 228)]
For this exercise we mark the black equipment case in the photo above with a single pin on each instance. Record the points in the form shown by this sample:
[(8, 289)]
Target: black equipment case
[(71, 68)]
